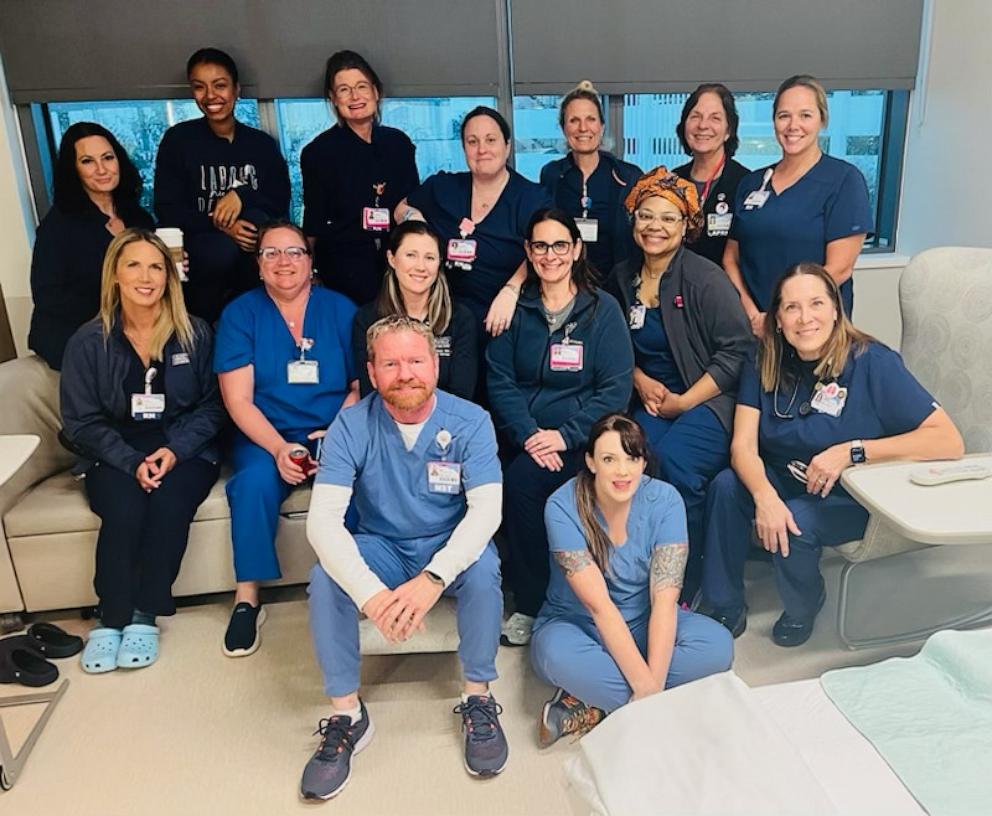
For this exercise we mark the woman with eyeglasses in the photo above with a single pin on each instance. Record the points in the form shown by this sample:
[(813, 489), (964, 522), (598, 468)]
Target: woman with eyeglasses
[(590, 184), (564, 362), (354, 175), (690, 338), (822, 397), (283, 358)]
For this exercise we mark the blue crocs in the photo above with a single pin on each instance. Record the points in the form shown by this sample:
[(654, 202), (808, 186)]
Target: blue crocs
[(100, 654), (139, 647)]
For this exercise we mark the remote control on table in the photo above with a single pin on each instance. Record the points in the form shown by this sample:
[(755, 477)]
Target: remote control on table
[(941, 474)]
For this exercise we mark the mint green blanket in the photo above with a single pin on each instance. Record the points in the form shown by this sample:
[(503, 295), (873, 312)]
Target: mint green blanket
[(930, 717)]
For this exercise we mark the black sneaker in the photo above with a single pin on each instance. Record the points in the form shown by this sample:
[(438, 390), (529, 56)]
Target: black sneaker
[(242, 637), (486, 750), (564, 714), (733, 619), (329, 769), (789, 631)]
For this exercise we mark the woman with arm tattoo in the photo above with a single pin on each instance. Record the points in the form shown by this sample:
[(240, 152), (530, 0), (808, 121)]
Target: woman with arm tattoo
[(610, 630)]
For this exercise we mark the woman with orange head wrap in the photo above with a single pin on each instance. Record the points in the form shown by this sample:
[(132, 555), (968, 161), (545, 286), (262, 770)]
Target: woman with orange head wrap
[(690, 338)]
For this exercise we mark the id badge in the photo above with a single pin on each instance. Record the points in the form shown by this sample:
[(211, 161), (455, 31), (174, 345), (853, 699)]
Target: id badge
[(302, 372), (461, 252), (718, 225), (566, 356), (636, 317), (444, 477), (147, 406), (442, 345), (756, 199), (375, 219), (829, 399), (588, 229)]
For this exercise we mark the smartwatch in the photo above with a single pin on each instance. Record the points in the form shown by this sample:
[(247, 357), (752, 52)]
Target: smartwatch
[(858, 452)]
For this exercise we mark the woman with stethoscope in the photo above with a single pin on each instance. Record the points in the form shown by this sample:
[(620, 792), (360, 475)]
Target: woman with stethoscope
[(807, 207), (822, 397), (708, 133), (590, 184)]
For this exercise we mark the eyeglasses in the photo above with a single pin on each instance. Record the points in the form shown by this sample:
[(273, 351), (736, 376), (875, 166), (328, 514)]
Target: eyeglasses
[(542, 247), (647, 217), (358, 89), (294, 253), (798, 470)]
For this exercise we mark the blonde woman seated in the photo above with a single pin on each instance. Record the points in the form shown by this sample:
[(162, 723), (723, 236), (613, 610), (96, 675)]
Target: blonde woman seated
[(141, 408), (610, 630)]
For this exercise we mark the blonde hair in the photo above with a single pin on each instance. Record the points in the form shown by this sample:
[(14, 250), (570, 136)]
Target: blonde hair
[(173, 319), (584, 90), (844, 338), (805, 81), (393, 324)]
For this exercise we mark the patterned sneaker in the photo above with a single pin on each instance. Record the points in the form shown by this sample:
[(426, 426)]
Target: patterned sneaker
[(516, 630), (329, 769), (486, 750), (242, 637), (564, 714)]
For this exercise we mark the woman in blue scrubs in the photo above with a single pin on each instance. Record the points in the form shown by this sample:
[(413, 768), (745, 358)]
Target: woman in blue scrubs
[(708, 133), (822, 397), (690, 338), (283, 356), (564, 362), (611, 630), (354, 174), (807, 207), (481, 216), (590, 184)]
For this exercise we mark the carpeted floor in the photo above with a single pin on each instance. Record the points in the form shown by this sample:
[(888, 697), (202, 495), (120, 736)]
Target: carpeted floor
[(199, 733)]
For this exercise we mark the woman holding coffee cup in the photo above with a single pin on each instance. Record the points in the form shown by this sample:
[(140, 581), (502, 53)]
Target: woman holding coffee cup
[(283, 356), (96, 194)]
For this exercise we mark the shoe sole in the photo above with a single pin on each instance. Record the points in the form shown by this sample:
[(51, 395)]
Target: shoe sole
[(254, 646), (505, 641), (484, 774), (359, 747)]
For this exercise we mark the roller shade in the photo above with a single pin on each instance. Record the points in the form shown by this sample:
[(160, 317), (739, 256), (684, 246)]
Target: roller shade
[(121, 49), (647, 46)]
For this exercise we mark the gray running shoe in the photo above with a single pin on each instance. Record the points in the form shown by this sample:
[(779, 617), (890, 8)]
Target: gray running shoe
[(516, 630), (564, 714), (329, 769), (486, 750)]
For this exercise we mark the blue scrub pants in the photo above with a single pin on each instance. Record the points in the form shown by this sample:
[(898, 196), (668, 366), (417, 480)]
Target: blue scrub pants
[(255, 492), (827, 522), (691, 449), (526, 488), (334, 616), (571, 655)]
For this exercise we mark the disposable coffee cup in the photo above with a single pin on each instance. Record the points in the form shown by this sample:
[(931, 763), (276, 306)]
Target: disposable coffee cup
[(172, 237)]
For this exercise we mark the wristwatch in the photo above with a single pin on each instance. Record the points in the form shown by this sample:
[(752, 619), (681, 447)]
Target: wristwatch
[(858, 452), (435, 578)]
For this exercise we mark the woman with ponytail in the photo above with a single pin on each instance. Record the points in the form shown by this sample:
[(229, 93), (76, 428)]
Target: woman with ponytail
[(611, 630)]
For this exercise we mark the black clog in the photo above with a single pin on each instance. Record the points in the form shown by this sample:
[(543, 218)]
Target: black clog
[(54, 641), (22, 662)]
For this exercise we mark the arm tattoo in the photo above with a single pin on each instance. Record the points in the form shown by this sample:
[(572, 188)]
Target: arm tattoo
[(573, 561), (668, 566)]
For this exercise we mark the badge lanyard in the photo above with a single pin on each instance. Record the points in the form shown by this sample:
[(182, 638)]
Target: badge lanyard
[(709, 182), (585, 202), (149, 376)]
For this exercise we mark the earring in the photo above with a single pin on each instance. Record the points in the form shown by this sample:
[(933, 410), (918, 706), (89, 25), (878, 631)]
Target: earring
[(778, 329)]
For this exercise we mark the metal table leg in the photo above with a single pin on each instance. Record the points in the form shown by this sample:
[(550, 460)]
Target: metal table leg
[(10, 763)]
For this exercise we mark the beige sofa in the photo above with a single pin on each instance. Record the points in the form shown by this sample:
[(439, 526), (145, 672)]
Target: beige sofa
[(48, 536)]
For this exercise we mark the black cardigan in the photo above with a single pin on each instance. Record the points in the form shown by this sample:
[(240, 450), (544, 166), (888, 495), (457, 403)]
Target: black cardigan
[(709, 333), (94, 403)]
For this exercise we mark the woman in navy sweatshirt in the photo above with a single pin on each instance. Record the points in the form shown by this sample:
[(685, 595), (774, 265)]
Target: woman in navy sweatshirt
[(565, 361)]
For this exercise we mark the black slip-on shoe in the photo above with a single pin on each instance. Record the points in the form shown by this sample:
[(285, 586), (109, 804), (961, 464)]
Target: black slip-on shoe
[(54, 641)]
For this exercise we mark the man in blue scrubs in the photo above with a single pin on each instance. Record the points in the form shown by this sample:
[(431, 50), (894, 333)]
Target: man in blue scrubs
[(421, 467)]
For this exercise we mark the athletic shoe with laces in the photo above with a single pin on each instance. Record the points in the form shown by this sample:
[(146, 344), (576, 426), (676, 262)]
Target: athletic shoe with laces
[(242, 637), (329, 769), (564, 714), (486, 750), (516, 630)]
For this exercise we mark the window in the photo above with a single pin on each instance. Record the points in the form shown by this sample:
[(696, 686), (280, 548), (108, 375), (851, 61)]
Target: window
[(432, 123), (138, 126)]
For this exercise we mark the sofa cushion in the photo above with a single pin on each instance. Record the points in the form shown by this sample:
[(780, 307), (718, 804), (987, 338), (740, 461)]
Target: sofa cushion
[(59, 505)]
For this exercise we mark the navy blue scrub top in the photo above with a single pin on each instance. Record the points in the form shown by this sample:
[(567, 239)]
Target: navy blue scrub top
[(828, 203), (883, 399), (653, 352), (446, 198), (251, 331)]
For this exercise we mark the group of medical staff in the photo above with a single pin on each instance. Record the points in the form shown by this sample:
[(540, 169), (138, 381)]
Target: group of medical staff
[(606, 318)]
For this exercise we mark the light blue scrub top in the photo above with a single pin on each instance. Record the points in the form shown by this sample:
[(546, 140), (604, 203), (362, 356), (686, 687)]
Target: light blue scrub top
[(828, 203), (657, 519), (252, 331), (364, 450)]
